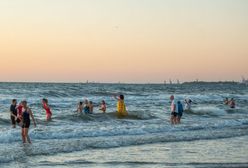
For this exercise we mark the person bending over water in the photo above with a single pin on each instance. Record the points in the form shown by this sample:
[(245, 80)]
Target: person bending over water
[(13, 113), (103, 107), (26, 122), (188, 103), (47, 108), (121, 107)]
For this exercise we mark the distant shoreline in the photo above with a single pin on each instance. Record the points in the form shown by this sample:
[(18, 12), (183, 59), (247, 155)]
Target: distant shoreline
[(128, 83)]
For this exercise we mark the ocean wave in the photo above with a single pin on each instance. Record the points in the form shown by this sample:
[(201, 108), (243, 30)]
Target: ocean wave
[(51, 131), (54, 146)]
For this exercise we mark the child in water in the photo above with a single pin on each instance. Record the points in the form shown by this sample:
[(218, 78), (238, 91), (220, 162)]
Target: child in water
[(103, 107), (47, 108), (121, 107)]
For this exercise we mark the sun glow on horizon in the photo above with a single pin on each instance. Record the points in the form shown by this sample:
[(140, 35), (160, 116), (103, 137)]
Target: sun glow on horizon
[(123, 40)]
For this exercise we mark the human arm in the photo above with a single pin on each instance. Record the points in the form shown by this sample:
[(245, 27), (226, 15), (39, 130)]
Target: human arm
[(116, 97), (32, 116)]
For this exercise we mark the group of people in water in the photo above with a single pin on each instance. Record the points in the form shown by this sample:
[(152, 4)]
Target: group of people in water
[(21, 114), (177, 109)]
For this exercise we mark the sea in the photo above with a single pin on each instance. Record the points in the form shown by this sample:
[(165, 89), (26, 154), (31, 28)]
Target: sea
[(210, 135)]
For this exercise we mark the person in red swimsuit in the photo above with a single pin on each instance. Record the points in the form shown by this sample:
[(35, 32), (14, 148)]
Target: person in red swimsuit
[(19, 112), (47, 108)]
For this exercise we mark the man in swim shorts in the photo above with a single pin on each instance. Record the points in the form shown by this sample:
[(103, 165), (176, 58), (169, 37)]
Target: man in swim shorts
[(13, 113), (173, 118)]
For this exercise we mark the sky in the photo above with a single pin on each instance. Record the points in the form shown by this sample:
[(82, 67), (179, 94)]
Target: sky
[(135, 41)]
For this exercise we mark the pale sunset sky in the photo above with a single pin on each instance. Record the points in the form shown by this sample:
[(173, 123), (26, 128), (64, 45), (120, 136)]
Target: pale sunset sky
[(123, 40)]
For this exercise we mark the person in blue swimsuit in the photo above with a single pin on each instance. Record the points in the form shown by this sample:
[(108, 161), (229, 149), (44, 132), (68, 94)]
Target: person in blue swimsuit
[(27, 112), (86, 107), (179, 111)]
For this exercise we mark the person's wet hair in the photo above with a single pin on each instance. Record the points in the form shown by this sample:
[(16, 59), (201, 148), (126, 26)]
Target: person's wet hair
[(122, 97), (45, 100), (81, 103), (24, 102), (14, 101)]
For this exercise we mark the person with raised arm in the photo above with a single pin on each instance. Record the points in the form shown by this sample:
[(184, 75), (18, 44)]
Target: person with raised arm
[(121, 107)]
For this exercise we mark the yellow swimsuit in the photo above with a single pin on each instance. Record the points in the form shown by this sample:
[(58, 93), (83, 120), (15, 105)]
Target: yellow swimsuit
[(121, 109)]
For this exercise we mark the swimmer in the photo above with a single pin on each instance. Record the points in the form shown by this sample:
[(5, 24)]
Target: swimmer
[(47, 108), (26, 122), (226, 101), (232, 103), (103, 107), (121, 107)]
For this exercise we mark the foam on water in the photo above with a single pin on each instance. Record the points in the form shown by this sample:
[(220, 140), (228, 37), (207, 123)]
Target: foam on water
[(148, 120)]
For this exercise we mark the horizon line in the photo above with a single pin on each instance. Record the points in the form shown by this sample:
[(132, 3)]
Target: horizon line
[(97, 82)]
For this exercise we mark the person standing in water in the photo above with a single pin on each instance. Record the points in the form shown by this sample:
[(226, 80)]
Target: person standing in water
[(80, 107), (86, 107), (103, 107), (179, 111), (26, 122), (47, 108), (19, 112), (173, 117), (121, 107), (91, 107), (13, 113)]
